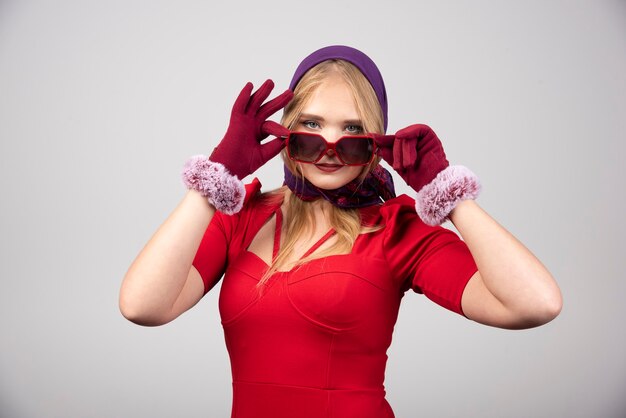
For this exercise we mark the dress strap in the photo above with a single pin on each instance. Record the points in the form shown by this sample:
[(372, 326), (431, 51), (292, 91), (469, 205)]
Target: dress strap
[(319, 242), (279, 223)]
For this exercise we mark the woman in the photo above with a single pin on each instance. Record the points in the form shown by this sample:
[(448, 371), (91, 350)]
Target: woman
[(314, 271)]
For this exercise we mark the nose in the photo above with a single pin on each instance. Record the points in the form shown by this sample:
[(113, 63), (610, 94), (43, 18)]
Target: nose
[(331, 136), (329, 157)]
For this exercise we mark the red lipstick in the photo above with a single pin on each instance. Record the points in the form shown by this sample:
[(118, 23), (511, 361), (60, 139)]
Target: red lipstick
[(329, 168)]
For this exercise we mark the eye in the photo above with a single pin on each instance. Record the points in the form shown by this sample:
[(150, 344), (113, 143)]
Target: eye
[(311, 124), (354, 129)]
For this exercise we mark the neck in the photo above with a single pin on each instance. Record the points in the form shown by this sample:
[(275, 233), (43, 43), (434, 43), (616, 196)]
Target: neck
[(377, 185)]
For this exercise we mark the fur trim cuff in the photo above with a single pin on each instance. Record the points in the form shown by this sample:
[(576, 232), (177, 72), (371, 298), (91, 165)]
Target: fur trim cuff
[(222, 189), (437, 199)]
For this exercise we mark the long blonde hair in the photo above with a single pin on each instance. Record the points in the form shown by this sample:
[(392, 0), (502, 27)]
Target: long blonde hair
[(300, 217)]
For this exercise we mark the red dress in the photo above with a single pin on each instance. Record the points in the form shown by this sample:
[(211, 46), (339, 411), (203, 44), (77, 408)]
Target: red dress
[(314, 343)]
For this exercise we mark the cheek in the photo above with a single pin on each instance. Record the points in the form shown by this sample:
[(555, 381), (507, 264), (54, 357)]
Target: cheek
[(305, 170), (300, 168), (358, 171)]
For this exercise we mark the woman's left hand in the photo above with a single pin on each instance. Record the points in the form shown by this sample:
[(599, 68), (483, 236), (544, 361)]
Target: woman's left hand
[(417, 154)]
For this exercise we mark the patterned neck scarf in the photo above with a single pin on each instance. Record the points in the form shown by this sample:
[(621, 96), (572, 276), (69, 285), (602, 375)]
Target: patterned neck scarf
[(377, 185)]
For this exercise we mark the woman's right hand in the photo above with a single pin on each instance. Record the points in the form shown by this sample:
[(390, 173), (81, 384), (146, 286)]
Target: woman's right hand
[(241, 151)]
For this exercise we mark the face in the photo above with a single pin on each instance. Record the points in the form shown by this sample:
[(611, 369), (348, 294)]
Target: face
[(332, 113)]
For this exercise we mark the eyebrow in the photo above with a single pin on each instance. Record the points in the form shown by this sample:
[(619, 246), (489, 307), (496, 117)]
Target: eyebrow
[(316, 117)]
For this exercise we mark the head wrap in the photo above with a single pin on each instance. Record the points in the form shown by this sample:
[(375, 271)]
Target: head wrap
[(354, 56), (378, 184)]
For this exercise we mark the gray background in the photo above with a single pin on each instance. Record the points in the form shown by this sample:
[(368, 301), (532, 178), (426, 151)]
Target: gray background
[(101, 103)]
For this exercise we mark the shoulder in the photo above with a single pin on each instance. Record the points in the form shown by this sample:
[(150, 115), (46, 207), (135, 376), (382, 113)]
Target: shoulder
[(251, 198), (392, 212), (252, 192), (253, 189), (255, 203)]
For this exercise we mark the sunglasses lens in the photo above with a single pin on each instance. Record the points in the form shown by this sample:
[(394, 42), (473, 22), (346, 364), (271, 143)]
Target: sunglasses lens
[(355, 150), (305, 147), (352, 150)]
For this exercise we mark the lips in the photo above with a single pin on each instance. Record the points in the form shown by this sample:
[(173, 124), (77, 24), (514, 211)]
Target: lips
[(328, 167)]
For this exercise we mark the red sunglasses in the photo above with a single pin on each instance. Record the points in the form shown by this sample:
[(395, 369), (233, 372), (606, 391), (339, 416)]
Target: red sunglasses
[(307, 147)]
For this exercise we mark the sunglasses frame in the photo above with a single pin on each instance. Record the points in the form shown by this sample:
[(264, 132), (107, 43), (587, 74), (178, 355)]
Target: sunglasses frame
[(333, 146)]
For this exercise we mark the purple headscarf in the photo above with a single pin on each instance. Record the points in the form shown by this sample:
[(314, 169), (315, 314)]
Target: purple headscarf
[(378, 184), (354, 56)]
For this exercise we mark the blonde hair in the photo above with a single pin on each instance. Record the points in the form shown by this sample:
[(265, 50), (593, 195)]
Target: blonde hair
[(300, 217)]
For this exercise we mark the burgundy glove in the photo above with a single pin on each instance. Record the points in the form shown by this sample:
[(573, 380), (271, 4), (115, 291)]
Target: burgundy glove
[(240, 152), (417, 155)]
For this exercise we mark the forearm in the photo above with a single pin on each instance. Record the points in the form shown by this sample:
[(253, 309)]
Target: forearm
[(157, 276), (510, 272)]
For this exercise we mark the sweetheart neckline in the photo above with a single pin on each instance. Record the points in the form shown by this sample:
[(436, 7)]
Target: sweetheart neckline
[(255, 255)]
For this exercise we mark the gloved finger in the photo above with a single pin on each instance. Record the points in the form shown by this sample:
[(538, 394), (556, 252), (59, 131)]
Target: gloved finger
[(417, 130), (397, 154), (243, 98), (272, 148), (384, 141), (384, 146), (271, 107), (409, 152), (386, 153), (272, 128), (259, 96)]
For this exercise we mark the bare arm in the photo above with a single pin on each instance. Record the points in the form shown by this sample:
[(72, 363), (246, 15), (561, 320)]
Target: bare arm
[(511, 289), (161, 283)]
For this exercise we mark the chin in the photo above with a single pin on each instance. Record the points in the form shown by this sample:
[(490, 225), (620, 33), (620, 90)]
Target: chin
[(328, 185)]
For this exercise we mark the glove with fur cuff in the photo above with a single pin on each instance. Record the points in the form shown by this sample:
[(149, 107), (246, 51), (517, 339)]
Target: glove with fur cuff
[(222, 189), (435, 201), (417, 155)]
